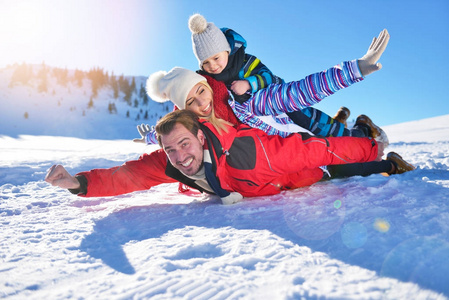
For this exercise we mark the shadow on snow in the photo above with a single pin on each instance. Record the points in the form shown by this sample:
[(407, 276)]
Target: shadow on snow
[(397, 233)]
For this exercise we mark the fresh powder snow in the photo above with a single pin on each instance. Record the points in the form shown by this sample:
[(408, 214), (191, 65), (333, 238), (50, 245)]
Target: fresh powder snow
[(370, 237)]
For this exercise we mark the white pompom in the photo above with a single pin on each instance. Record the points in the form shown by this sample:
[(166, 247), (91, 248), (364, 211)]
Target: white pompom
[(152, 87), (197, 24)]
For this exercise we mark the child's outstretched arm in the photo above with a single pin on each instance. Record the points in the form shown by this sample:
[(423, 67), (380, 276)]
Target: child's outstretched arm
[(368, 63), (147, 133)]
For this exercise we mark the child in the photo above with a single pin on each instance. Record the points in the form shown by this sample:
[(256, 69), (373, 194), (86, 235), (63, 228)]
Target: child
[(279, 98), (221, 55)]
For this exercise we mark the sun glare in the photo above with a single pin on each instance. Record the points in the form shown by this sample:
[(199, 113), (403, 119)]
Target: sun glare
[(36, 31), (75, 33), (22, 29)]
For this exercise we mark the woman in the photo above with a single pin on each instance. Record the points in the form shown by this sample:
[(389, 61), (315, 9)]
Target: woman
[(210, 99)]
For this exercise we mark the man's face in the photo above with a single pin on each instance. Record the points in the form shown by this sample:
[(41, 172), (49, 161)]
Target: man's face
[(184, 150)]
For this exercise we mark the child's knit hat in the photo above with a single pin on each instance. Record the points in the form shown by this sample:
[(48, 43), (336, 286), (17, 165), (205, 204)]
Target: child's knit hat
[(207, 39), (174, 85)]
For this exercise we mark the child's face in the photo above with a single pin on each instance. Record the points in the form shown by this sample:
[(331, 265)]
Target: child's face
[(199, 100), (216, 63)]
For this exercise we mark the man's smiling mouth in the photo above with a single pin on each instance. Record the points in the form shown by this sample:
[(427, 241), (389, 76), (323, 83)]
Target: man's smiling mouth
[(187, 163)]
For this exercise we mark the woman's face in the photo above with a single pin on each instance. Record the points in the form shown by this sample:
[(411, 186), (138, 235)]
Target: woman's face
[(199, 100)]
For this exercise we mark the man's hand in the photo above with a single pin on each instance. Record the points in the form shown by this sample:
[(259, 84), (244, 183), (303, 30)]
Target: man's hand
[(57, 175), (239, 87), (143, 130), (368, 63)]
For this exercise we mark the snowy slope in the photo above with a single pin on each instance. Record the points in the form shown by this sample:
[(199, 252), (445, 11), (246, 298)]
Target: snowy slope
[(63, 110), (358, 238)]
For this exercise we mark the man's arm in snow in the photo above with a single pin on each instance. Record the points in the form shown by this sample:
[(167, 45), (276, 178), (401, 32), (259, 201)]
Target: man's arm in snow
[(58, 176), (136, 175)]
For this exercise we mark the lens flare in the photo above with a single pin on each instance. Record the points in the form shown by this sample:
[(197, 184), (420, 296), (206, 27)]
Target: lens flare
[(381, 225), (337, 204)]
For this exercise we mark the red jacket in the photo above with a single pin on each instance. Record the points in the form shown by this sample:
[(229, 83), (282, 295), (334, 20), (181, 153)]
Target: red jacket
[(245, 160), (255, 164)]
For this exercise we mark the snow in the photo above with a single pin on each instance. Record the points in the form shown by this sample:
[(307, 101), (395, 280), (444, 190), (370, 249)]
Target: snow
[(370, 237), (63, 109)]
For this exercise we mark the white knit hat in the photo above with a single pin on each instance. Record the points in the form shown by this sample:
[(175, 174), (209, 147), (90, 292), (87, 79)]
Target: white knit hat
[(174, 85), (207, 39)]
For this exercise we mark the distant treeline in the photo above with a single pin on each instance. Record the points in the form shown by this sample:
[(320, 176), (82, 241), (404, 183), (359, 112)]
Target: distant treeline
[(24, 73), (122, 88)]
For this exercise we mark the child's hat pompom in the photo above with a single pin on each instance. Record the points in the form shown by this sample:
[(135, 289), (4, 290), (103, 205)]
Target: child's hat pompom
[(197, 24), (152, 87)]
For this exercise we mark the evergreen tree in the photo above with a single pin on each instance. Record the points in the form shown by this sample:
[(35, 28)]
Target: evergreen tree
[(133, 85), (114, 85), (22, 74), (145, 99), (123, 83), (142, 91), (42, 75), (112, 108), (98, 78), (125, 87), (61, 75), (90, 104), (143, 95), (78, 77)]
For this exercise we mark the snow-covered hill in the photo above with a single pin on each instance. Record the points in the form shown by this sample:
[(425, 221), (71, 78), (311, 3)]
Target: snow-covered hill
[(68, 108), (357, 238)]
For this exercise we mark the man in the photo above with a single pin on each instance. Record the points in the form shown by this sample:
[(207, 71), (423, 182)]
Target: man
[(243, 162)]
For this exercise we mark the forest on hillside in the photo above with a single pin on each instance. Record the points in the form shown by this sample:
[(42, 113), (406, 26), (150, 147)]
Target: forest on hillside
[(129, 89)]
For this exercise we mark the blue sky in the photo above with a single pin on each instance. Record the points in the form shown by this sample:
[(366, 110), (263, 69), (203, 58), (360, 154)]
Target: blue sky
[(293, 38)]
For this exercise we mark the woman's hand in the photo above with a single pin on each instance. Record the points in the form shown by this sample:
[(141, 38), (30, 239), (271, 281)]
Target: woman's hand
[(143, 130)]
